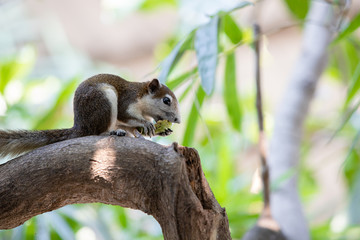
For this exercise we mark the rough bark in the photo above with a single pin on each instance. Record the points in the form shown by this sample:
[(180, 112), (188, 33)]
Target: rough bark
[(166, 182), (289, 120)]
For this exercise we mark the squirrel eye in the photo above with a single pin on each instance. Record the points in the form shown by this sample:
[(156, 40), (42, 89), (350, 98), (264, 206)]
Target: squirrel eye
[(166, 100)]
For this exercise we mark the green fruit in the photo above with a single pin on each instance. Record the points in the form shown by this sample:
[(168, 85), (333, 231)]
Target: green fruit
[(162, 125)]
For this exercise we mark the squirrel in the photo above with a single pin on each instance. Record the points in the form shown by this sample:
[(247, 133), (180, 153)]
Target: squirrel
[(103, 103)]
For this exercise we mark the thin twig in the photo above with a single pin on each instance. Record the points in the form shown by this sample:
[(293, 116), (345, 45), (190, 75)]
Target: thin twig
[(262, 147)]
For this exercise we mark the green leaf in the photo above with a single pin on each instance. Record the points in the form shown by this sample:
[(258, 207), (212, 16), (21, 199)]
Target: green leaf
[(18, 67), (174, 83), (355, 85), (353, 25), (225, 169), (206, 46), (322, 231), (149, 5), (339, 67), (122, 218), (230, 92), (7, 72), (170, 61), (193, 118), (346, 117), (30, 229), (349, 57), (48, 120), (351, 54), (186, 92), (299, 8), (231, 29), (351, 165)]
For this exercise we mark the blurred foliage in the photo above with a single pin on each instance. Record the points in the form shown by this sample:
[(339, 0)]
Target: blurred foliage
[(299, 8), (349, 29), (16, 67), (221, 133), (345, 65), (230, 92), (149, 5), (56, 110), (193, 118)]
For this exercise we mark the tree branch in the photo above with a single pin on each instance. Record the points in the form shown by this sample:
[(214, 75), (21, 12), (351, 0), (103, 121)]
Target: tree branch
[(289, 120), (260, 116), (166, 182), (266, 227)]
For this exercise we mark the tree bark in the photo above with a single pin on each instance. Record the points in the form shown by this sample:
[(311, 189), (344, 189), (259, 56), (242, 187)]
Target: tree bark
[(166, 182), (285, 144)]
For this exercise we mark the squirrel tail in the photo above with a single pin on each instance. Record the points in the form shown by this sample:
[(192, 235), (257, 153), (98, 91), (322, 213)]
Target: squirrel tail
[(16, 142)]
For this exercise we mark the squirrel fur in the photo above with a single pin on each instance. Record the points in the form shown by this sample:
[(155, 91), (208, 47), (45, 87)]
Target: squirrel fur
[(103, 103)]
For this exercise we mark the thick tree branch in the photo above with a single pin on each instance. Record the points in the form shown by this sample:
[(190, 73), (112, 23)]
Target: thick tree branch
[(166, 182), (289, 120)]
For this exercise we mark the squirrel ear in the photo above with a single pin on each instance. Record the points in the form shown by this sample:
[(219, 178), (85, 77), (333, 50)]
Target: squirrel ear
[(154, 85)]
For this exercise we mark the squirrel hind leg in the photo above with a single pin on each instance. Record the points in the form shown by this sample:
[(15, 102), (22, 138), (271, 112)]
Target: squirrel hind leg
[(166, 132), (128, 133), (137, 134), (119, 132)]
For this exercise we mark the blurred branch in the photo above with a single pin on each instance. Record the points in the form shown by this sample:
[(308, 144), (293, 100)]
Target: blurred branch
[(289, 120), (262, 145), (166, 182), (266, 227)]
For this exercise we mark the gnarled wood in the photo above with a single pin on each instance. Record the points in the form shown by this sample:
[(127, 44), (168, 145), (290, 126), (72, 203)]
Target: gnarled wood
[(166, 182)]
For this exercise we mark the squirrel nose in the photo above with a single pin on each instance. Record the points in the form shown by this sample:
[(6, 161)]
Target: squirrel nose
[(176, 120)]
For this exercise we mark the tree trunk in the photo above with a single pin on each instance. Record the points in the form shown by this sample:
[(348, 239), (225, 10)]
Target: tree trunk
[(285, 144), (166, 182)]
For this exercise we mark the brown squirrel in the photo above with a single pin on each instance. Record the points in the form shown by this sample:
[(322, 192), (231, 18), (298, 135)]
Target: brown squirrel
[(104, 103)]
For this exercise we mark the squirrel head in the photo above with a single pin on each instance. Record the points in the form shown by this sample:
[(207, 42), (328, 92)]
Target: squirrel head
[(162, 102)]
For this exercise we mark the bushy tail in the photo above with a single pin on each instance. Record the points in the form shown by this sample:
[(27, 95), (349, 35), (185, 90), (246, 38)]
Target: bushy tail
[(13, 143)]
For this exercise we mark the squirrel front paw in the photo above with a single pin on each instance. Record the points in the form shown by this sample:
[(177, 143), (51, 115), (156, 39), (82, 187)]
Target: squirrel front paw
[(166, 132), (149, 129)]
